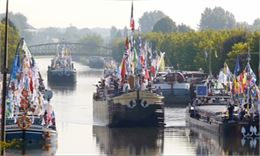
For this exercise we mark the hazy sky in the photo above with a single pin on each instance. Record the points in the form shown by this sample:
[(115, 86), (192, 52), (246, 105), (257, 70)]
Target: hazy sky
[(106, 13)]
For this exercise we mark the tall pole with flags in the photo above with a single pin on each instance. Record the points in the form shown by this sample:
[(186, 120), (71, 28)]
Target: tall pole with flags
[(5, 70)]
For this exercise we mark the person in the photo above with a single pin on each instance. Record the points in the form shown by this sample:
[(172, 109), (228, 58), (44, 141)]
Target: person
[(230, 111), (126, 87), (241, 114)]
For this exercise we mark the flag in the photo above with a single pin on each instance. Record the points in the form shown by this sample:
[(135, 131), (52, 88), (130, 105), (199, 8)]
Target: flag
[(216, 54), (126, 44), (16, 65), (123, 69), (237, 67), (250, 74), (206, 55), (132, 21)]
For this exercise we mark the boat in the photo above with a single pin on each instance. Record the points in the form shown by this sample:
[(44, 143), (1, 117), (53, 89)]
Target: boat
[(62, 70), (125, 99), (29, 114), (220, 109), (173, 87), (97, 62)]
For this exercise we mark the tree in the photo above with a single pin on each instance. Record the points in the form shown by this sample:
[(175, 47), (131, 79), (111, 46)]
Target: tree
[(256, 25), (165, 25), (13, 39), (148, 20), (184, 28), (92, 44), (115, 33), (217, 19)]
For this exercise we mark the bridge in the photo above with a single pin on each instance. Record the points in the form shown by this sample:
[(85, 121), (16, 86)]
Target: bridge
[(74, 48)]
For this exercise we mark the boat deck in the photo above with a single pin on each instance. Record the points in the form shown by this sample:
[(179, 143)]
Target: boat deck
[(213, 109)]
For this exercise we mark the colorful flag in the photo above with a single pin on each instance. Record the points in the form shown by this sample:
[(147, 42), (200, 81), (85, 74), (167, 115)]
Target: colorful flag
[(237, 67), (250, 74), (123, 69)]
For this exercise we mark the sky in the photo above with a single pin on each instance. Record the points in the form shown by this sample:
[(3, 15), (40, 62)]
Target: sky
[(107, 13)]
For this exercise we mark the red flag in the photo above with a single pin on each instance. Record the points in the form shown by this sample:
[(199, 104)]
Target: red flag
[(152, 70), (147, 76), (31, 85)]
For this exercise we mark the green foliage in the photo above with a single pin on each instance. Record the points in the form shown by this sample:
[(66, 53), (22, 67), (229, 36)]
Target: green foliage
[(10, 144), (148, 20), (92, 42), (184, 28), (165, 25), (13, 39), (118, 47), (186, 50), (217, 19)]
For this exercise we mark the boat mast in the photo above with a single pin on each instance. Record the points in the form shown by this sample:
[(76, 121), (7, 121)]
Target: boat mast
[(210, 70), (5, 70)]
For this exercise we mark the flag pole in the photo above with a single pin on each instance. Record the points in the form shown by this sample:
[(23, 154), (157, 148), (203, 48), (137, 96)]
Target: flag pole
[(210, 70), (5, 70)]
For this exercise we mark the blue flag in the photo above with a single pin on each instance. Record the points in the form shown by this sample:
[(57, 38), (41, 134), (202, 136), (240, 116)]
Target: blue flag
[(16, 65), (237, 67)]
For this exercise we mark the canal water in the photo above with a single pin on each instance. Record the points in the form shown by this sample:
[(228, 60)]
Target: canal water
[(78, 136)]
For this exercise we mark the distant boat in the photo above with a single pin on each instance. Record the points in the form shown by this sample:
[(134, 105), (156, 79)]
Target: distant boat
[(96, 62), (29, 113), (173, 87), (62, 70)]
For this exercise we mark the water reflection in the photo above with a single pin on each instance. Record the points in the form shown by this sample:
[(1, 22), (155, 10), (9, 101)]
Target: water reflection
[(129, 141), (27, 148), (62, 88), (208, 144)]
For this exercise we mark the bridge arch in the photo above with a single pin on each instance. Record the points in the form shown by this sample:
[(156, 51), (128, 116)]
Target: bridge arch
[(74, 47)]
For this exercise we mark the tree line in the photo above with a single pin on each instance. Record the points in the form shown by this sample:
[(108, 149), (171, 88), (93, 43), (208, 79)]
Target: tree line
[(191, 50)]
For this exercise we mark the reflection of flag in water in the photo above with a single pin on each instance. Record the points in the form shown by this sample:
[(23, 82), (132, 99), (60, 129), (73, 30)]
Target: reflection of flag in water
[(237, 67), (132, 21)]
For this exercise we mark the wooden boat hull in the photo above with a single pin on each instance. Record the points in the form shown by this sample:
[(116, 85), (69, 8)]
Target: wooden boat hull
[(127, 110), (62, 76), (224, 129)]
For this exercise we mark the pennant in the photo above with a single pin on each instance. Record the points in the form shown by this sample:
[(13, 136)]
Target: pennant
[(251, 77), (123, 69), (237, 67), (126, 44)]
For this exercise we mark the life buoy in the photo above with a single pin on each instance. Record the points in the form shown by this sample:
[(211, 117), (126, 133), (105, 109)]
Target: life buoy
[(24, 122), (144, 103), (131, 104)]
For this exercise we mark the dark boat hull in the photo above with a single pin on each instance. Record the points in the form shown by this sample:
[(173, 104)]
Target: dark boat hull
[(172, 99), (62, 76), (224, 129), (120, 113)]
